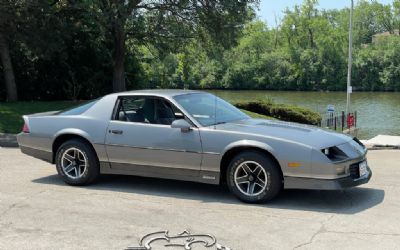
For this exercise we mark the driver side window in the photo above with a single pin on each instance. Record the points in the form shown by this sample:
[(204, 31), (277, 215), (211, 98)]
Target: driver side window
[(153, 110)]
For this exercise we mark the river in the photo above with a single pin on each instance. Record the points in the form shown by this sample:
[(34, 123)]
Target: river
[(378, 112)]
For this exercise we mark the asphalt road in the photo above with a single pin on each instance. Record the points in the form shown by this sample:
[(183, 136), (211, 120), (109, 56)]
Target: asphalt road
[(38, 211)]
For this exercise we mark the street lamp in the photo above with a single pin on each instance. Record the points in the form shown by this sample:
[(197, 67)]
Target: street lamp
[(350, 61)]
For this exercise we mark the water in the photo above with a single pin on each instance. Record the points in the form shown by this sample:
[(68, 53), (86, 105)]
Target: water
[(378, 112)]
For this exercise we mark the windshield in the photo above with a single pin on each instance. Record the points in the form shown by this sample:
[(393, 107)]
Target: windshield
[(208, 109)]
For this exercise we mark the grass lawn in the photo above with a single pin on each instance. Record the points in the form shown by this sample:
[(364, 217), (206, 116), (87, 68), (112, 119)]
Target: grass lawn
[(11, 113), (256, 115)]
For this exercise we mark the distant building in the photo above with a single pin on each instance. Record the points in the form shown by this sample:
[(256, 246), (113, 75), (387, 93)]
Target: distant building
[(376, 37)]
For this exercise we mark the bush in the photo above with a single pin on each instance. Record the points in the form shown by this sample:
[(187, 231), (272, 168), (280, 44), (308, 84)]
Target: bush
[(282, 112)]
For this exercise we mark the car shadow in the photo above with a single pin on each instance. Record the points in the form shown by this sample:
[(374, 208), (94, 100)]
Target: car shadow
[(349, 201)]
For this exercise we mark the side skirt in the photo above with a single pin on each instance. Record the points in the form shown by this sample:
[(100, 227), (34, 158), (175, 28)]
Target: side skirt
[(162, 173)]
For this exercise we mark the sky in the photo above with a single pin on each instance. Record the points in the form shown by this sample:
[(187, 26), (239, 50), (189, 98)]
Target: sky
[(268, 8)]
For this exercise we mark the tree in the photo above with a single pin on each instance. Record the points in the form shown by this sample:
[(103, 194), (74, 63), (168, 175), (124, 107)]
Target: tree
[(396, 16), (162, 20), (8, 11)]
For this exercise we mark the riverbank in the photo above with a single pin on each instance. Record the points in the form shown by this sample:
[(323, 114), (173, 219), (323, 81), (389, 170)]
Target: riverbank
[(377, 112)]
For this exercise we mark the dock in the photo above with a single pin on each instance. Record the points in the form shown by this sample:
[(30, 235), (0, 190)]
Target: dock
[(383, 142)]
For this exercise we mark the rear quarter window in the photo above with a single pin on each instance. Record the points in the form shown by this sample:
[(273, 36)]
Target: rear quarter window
[(78, 110)]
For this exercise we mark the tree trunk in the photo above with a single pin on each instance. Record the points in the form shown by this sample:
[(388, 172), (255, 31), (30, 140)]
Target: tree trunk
[(11, 86), (310, 32), (119, 36)]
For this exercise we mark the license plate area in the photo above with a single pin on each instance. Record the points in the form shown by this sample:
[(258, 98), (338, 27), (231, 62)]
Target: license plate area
[(363, 169)]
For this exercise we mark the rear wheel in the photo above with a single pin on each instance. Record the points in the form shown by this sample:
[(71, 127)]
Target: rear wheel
[(77, 163), (254, 177)]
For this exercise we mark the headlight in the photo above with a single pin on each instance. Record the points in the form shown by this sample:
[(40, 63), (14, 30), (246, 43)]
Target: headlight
[(334, 154)]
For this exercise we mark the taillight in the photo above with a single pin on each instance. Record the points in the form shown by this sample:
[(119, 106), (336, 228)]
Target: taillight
[(25, 128)]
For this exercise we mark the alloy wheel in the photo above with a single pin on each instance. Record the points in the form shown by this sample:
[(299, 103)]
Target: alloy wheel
[(74, 163), (250, 178)]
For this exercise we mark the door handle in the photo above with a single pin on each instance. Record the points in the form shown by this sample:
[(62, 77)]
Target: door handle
[(117, 132)]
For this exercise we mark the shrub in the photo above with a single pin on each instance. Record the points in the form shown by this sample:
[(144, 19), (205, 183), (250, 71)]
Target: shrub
[(282, 112)]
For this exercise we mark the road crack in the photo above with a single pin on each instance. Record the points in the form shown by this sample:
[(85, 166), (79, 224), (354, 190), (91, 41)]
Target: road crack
[(319, 231)]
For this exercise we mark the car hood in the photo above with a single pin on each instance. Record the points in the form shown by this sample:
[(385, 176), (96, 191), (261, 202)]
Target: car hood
[(299, 133)]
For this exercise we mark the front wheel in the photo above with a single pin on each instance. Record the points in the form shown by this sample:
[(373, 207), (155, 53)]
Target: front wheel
[(254, 177), (77, 163)]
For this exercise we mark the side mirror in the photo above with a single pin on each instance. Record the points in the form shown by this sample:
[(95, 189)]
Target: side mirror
[(182, 124)]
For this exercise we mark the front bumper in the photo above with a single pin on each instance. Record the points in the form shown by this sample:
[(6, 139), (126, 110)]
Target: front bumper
[(326, 184)]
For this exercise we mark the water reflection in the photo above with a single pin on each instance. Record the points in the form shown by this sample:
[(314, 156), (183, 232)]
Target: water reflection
[(378, 112)]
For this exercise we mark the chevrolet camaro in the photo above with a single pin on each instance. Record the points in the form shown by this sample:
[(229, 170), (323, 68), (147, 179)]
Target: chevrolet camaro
[(192, 136)]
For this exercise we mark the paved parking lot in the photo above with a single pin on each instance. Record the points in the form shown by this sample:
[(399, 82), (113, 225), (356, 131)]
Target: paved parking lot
[(38, 211)]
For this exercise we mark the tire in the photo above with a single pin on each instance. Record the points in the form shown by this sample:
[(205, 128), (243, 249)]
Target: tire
[(67, 163), (249, 187)]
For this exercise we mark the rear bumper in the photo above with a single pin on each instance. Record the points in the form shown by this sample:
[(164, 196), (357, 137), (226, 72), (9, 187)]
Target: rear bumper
[(37, 153), (326, 184), (25, 142)]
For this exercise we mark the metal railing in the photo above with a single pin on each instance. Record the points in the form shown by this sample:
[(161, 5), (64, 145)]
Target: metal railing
[(339, 121)]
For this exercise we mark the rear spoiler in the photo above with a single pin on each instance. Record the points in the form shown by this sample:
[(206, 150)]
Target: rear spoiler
[(48, 113), (42, 114)]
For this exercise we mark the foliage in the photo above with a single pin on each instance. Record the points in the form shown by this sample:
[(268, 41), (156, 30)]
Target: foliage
[(377, 66), (66, 49), (282, 111)]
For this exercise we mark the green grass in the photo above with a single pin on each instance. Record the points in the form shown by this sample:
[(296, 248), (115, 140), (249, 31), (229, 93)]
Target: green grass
[(11, 113), (256, 115)]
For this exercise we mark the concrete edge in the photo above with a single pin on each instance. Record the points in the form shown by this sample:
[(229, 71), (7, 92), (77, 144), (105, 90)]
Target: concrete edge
[(384, 148), (8, 140)]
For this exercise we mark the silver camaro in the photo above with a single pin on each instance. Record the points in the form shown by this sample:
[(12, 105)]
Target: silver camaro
[(192, 136)]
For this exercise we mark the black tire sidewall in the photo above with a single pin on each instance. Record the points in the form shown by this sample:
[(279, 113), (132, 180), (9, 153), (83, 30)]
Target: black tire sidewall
[(274, 179), (92, 170)]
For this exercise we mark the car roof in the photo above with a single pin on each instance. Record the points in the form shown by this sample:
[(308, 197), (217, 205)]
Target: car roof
[(158, 92)]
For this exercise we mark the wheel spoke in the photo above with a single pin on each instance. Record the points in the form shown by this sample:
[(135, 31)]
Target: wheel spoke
[(257, 170), (251, 187), (69, 168), (75, 154), (246, 169), (260, 182), (76, 171), (242, 179), (69, 157), (81, 159)]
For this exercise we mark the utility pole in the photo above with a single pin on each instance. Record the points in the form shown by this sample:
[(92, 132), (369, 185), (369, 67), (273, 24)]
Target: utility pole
[(350, 61)]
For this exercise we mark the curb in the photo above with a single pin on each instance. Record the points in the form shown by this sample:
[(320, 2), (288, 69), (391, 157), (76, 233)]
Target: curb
[(8, 140), (375, 148)]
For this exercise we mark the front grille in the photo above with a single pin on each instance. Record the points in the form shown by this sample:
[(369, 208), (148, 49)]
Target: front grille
[(355, 171)]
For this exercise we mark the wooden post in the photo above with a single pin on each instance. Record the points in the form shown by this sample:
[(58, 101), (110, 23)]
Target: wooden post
[(335, 121), (355, 119), (343, 119)]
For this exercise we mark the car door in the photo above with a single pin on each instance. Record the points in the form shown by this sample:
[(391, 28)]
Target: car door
[(140, 139)]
